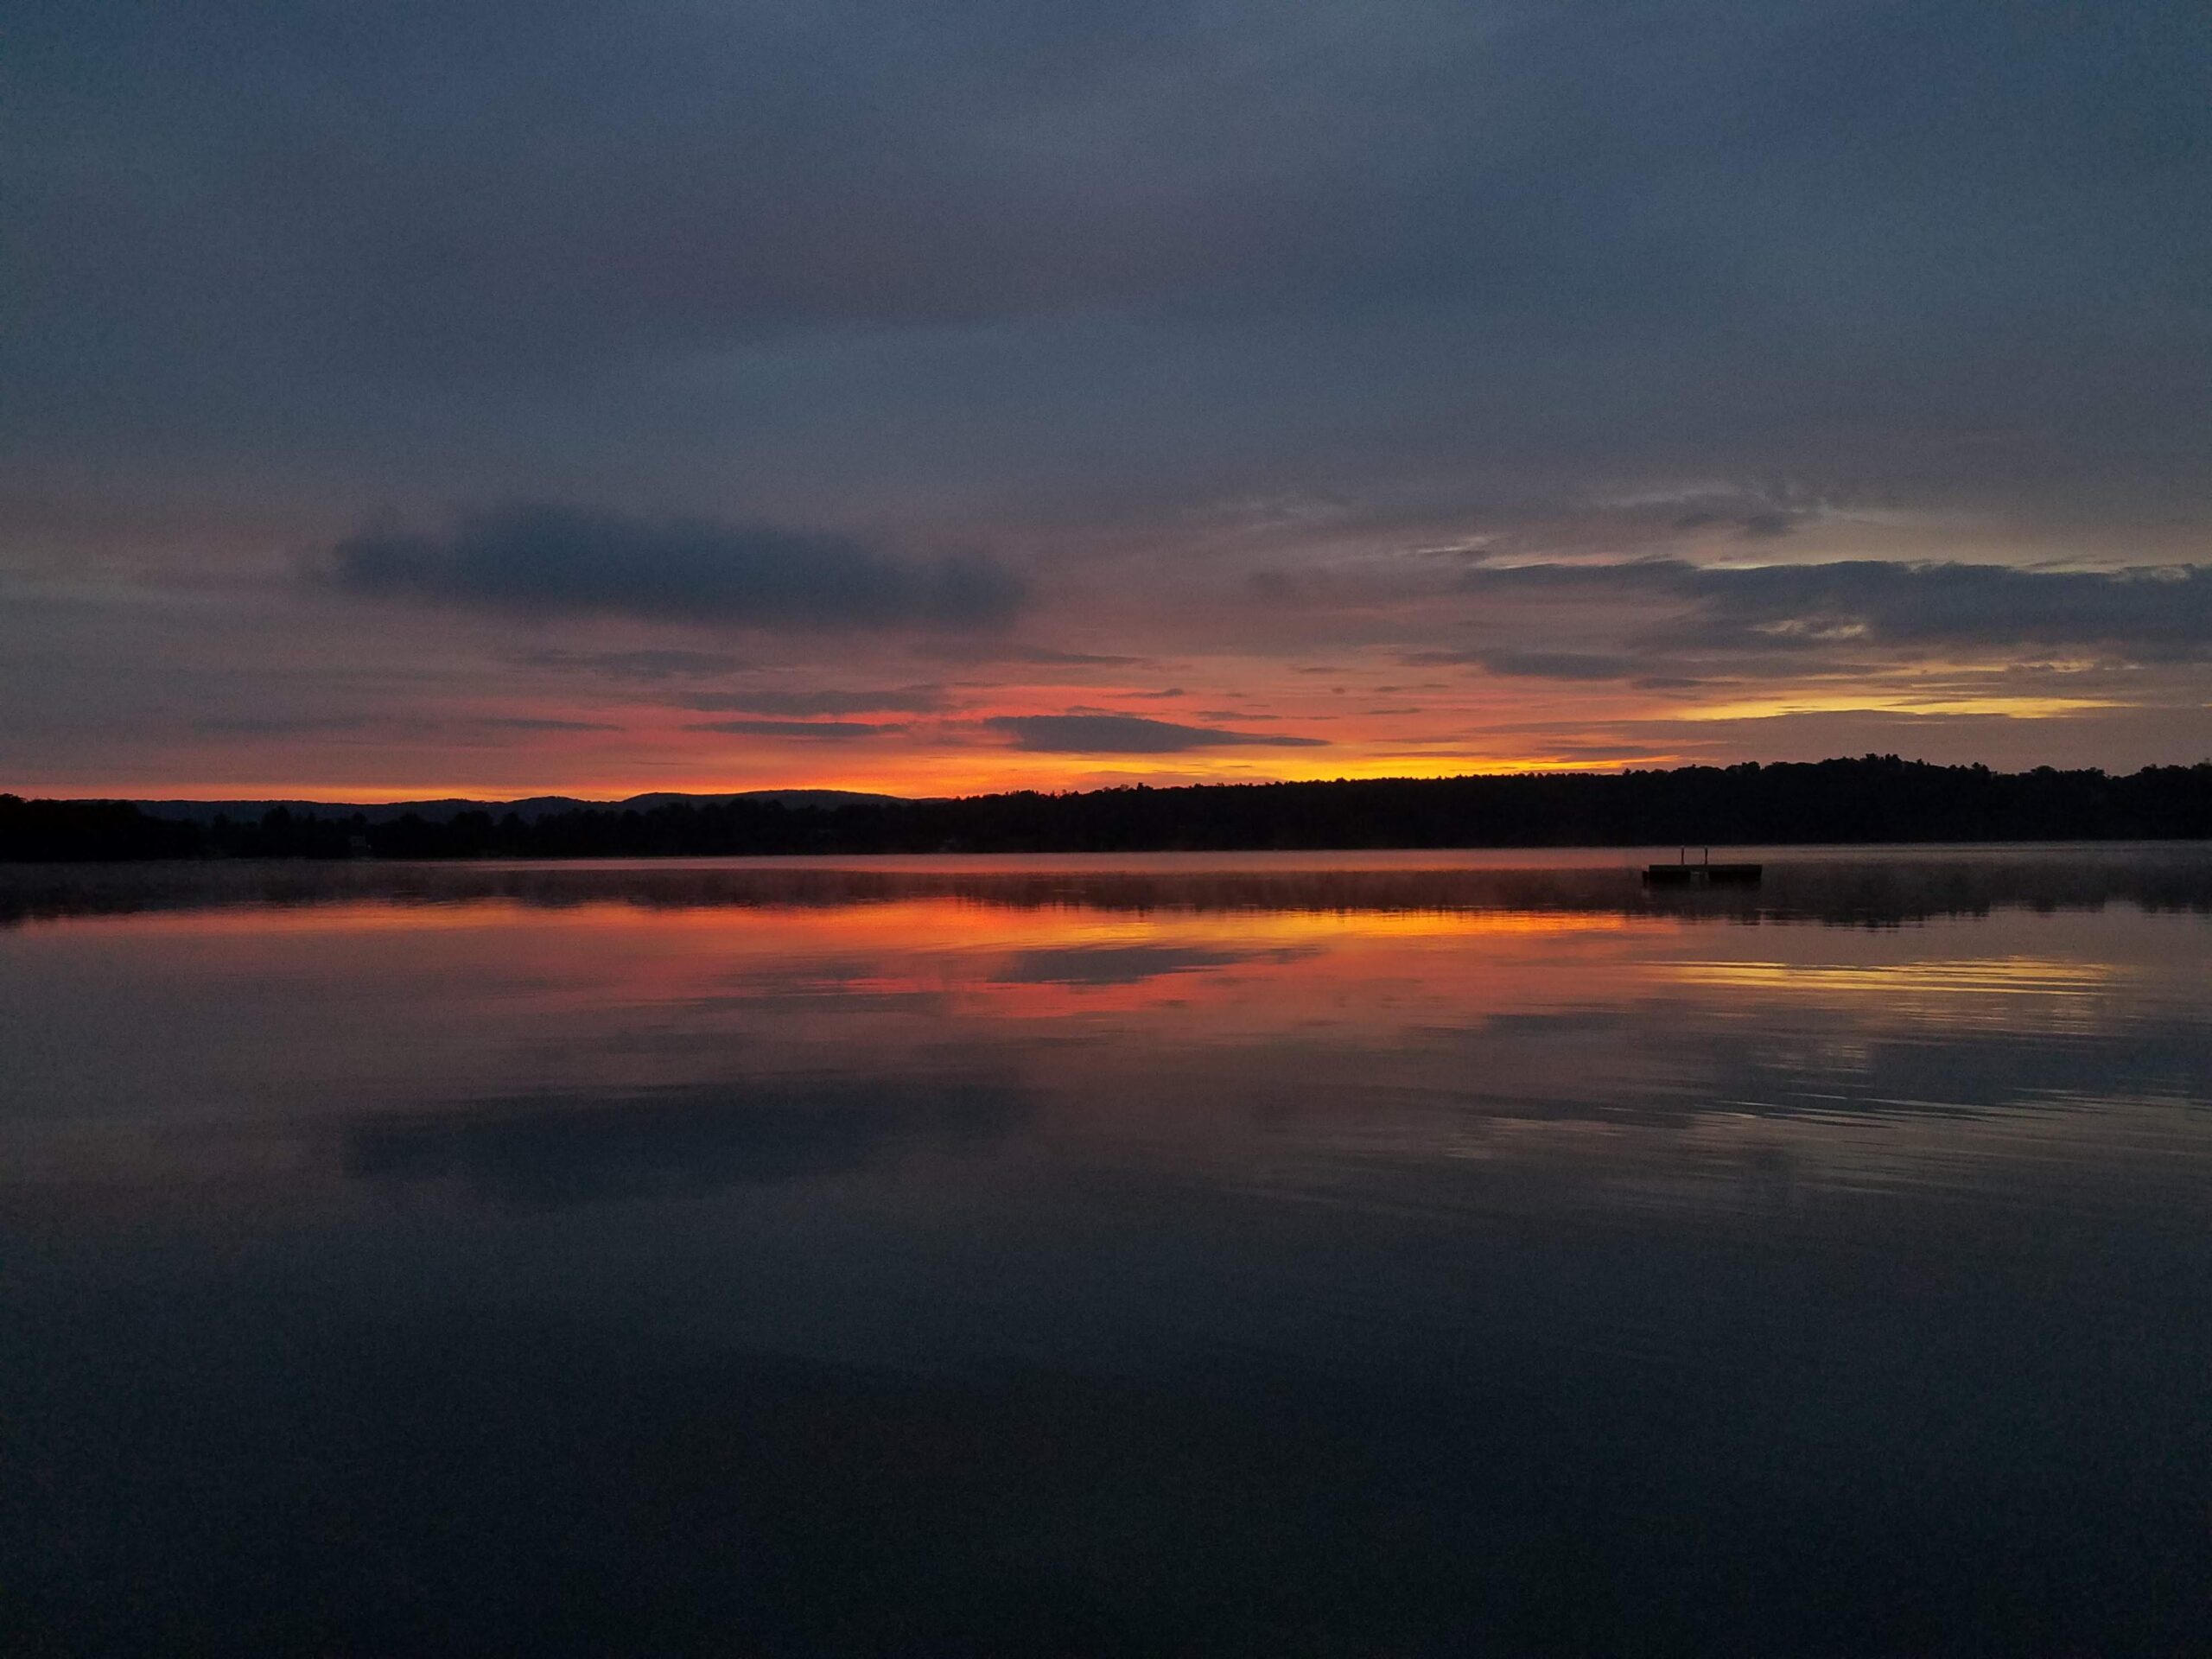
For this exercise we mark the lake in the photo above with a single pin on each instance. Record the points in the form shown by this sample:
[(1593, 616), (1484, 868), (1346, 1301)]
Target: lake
[(1366, 1254)]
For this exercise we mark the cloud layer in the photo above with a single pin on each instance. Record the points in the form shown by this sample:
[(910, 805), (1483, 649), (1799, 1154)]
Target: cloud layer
[(1460, 383), (1129, 734), (1787, 614), (1117, 252), (542, 560)]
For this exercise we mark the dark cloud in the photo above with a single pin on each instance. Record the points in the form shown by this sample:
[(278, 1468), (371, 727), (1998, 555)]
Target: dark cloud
[(2164, 611), (1782, 610), (812, 731), (1533, 664), (551, 561), (1754, 520), (1129, 734), (905, 700), (1767, 526)]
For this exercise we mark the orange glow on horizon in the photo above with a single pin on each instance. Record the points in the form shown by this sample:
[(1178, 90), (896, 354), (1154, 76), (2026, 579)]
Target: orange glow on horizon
[(915, 777)]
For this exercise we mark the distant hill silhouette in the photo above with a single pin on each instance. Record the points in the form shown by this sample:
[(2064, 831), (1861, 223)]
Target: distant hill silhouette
[(445, 808), (1873, 799)]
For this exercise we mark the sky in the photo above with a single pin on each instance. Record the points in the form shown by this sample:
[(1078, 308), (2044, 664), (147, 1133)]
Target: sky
[(502, 399)]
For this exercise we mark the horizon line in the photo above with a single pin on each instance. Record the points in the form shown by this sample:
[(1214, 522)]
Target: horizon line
[(428, 795)]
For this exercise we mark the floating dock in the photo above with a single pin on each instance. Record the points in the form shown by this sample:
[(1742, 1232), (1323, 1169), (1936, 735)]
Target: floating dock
[(1706, 873)]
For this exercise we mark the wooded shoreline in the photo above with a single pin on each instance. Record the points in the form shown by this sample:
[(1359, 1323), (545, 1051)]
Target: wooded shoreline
[(1874, 799)]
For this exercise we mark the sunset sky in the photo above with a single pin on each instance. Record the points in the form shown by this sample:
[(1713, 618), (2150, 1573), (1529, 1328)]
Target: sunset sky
[(508, 398)]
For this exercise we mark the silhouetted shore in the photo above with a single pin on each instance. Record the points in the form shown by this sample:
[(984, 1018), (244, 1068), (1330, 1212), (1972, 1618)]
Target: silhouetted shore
[(1876, 799)]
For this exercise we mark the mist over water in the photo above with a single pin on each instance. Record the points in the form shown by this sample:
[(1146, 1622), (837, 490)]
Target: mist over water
[(1381, 1253)]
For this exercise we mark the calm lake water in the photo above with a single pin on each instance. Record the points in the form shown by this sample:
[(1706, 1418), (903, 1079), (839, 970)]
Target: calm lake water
[(1416, 1253)]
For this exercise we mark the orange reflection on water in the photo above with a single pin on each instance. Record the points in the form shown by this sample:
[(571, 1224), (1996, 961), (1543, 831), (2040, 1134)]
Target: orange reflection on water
[(1024, 962), (1281, 1026)]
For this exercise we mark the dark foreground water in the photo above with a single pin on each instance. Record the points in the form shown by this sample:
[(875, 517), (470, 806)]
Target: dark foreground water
[(1266, 1255)]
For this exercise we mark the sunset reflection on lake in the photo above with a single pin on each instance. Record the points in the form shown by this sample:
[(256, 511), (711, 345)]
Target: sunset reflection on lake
[(1275, 1248)]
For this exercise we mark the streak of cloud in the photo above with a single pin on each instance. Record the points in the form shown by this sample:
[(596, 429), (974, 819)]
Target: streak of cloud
[(1131, 735), (550, 560)]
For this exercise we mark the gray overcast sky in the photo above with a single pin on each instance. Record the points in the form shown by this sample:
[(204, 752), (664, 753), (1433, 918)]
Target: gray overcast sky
[(487, 394)]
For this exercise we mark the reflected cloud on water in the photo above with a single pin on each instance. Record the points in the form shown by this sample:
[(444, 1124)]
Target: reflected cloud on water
[(564, 1033), (1333, 1249), (553, 1150)]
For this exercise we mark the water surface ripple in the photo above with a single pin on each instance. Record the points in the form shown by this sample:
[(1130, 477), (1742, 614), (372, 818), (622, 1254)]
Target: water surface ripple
[(1282, 1254)]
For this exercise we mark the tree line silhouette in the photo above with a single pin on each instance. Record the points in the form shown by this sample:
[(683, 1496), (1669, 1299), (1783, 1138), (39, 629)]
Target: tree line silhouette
[(1872, 799)]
